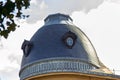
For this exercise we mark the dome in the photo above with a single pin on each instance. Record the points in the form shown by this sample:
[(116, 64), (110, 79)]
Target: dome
[(58, 46)]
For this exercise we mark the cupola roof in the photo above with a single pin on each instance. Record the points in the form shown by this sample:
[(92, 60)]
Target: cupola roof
[(58, 46)]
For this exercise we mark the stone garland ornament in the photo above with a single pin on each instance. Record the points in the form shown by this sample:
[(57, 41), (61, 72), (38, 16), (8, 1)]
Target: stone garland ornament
[(26, 47), (69, 39)]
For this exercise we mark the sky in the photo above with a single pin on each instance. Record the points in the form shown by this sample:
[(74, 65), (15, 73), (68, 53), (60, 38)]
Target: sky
[(98, 19)]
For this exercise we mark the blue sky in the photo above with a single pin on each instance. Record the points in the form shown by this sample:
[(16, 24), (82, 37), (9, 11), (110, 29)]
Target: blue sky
[(99, 19)]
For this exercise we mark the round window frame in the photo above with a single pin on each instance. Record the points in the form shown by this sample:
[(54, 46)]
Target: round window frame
[(66, 36)]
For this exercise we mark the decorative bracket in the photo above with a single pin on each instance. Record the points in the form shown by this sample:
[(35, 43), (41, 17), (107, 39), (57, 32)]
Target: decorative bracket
[(26, 47), (69, 39)]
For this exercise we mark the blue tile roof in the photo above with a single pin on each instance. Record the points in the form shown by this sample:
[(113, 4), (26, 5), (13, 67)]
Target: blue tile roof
[(47, 44)]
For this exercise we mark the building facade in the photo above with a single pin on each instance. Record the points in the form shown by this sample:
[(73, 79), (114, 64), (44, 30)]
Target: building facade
[(59, 50)]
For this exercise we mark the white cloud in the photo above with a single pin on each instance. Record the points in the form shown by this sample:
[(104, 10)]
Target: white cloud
[(39, 9), (114, 1), (15, 59), (9, 73), (102, 27), (11, 53), (9, 69), (1, 45)]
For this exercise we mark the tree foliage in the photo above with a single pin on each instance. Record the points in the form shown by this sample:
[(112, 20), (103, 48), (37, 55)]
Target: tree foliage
[(9, 10)]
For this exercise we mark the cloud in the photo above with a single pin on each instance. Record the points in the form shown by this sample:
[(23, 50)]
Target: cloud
[(102, 27), (39, 9), (9, 73), (15, 59), (1, 44), (11, 53), (114, 1), (9, 65)]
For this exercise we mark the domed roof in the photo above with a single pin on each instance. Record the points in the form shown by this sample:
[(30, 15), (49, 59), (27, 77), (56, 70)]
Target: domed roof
[(60, 46)]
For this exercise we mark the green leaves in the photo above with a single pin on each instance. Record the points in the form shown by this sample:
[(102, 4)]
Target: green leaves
[(8, 11), (4, 33)]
